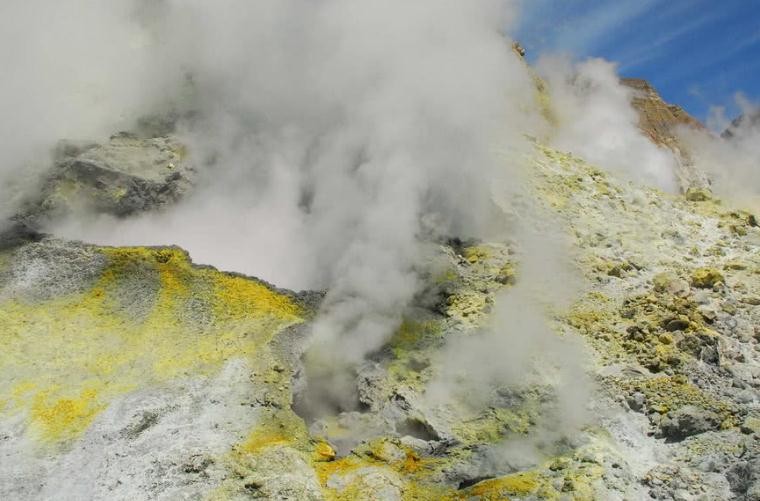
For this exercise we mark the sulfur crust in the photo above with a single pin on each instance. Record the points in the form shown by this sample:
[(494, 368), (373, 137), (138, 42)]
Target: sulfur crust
[(72, 355)]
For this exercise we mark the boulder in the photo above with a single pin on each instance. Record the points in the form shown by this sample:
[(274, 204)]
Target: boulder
[(687, 421), (706, 278), (126, 175)]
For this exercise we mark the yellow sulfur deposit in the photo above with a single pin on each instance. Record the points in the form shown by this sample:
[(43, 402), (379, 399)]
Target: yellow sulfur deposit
[(500, 488), (63, 418), (68, 357)]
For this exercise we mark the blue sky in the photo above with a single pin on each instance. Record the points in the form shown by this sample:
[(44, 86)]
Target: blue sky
[(697, 53)]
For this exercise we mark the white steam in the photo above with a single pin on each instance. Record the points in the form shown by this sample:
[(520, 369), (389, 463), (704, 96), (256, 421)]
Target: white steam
[(519, 347), (598, 123), (333, 129), (334, 126), (71, 70), (733, 159), (325, 132)]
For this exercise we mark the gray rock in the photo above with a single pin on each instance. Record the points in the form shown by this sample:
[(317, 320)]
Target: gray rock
[(370, 385), (709, 313), (373, 483), (50, 268), (636, 401), (281, 473), (744, 478), (158, 443), (687, 421), (16, 233), (126, 175), (746, 396), (753, 492)]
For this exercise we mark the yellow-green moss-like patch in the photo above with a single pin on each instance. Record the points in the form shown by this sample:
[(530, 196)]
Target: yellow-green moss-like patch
[(575, 483), (387, 457), (698, 194), (495, 423), (502, 488), (277, 428), (706, 277), (669, 393), (409, 344)]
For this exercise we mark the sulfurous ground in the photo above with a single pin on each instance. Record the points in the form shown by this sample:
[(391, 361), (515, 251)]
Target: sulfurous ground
[(131, 373)]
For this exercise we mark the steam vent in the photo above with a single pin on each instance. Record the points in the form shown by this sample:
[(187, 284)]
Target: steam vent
[(365, 251)]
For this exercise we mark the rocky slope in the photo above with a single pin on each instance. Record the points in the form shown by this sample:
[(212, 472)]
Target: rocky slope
[(130, 373)]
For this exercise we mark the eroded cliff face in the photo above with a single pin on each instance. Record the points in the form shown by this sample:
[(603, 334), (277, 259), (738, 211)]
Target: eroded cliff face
[(661, 122), (658, 118), (130, 373)]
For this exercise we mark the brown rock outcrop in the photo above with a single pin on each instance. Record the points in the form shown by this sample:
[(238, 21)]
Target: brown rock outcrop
[(659, 120)]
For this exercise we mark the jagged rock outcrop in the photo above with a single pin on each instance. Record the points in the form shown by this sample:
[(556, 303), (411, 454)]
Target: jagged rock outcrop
[(660, 121), (128, 174), (745, 122)]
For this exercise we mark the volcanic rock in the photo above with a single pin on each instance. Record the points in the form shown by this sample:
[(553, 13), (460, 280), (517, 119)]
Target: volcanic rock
[(660, 120), (126, 175)]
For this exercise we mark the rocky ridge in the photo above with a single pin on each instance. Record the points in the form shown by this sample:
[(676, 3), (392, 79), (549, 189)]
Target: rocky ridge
[(660, 122)]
